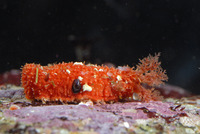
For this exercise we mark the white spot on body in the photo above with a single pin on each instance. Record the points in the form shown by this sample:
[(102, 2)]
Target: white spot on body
[(83, 73), (100, 69), (91, 65), (68, 71), (109, 74), (119, 78), (78, 63), (87, 103), (80, 78), (86, 87), (45, 73)]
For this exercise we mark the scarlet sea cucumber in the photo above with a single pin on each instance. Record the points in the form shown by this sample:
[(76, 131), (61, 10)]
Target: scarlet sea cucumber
[(75, 82)]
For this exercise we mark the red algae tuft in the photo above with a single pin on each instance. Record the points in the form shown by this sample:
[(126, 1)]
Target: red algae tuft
[(14, 107), (75, 82)]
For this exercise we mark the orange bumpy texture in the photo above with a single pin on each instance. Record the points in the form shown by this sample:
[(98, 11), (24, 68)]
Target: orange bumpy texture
[(54, 82)]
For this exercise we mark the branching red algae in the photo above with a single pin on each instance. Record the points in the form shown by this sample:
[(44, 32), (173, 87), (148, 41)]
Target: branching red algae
[(92, 82)]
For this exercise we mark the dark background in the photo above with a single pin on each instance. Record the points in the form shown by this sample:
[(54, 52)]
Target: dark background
[(116, 31)]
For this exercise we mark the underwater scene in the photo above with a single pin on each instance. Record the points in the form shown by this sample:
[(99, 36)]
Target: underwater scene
[(98, 67)]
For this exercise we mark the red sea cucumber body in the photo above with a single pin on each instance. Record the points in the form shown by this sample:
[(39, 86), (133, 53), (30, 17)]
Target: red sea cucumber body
[(98, 83)]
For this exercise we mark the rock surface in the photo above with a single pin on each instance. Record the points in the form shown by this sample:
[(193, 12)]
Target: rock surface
[(172, 116)]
